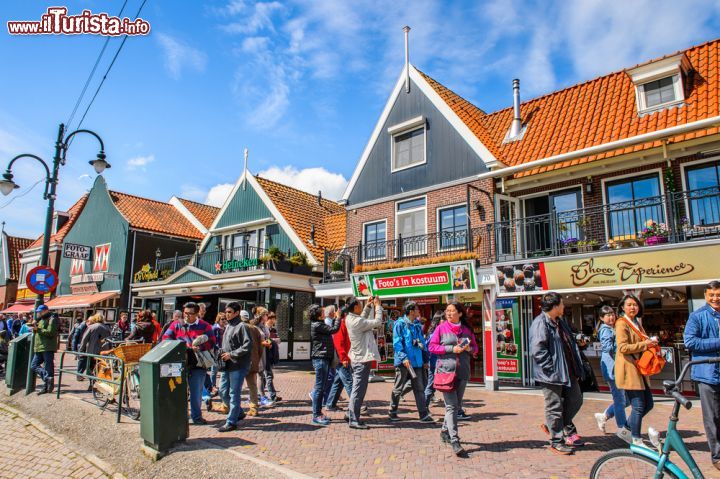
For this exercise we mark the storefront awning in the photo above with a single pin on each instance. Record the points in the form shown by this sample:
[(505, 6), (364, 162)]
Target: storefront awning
[(74, 301), (19, 308)]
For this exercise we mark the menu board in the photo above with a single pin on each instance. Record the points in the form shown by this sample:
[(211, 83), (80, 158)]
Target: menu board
[(507, 339)]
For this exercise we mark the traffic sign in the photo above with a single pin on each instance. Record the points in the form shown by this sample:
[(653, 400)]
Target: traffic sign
[(41, 280)]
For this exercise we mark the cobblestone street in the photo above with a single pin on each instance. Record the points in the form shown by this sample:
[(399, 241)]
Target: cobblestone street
[(503, 440)]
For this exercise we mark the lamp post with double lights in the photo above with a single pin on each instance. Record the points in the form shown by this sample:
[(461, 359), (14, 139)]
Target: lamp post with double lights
[(7, 185)]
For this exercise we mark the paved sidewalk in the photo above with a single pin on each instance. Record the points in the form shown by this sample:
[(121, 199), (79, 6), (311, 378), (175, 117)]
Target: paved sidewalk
[(29, 452), (503, 438)]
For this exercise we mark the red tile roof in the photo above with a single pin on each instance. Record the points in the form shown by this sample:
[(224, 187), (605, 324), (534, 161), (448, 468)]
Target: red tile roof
[(155, 216), (14, 246), (591, 113), (302, 211), (205, 214), (58, 237)]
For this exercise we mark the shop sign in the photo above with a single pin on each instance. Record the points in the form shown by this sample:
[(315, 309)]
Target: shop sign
[(439, 279), (233, 264), (25, 293), (146, 273), (508, 343), (87, 278), (102, 258), (427, 300), (83, 288), (77, 251), (628, 270), (301, 350)]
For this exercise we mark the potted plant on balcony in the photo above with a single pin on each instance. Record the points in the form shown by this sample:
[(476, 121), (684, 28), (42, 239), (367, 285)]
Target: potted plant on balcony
[(300, 264), (569, 245), (273, 258), (586, 246), (655, 233), (337, 271)]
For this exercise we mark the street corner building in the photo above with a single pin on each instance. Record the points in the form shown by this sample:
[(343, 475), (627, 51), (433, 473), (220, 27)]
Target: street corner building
[(604, 187), (264, 247)]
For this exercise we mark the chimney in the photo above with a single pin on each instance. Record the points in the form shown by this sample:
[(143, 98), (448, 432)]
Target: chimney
[(320, 197), (516, 126), (406, 29)]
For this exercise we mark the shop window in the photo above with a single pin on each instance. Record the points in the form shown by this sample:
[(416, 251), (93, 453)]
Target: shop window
[(374, 240), (632, 203), (452, 225), (703, 193)]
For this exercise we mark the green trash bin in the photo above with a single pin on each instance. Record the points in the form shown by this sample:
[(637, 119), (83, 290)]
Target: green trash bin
[(18, 362), (164, 396)]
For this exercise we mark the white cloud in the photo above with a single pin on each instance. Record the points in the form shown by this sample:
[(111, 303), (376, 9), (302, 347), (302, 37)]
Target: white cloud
[(180, 56), (310, 180), (140, 162), (218, 194)]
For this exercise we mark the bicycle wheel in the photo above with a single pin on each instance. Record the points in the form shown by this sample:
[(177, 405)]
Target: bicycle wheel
[(131, 396), (623, 464)]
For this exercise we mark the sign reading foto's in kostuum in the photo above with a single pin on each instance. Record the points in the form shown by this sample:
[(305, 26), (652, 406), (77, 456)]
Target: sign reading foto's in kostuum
[(77, 251), (419, 281)]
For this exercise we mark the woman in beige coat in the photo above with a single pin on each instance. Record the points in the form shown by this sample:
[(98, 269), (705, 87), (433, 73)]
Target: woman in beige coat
[(631, 342)]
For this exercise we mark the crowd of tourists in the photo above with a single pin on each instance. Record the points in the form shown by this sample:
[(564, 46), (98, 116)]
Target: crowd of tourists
[(241, 348)]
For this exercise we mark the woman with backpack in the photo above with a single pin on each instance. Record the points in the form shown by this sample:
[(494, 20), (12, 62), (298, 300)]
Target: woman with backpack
[(631, 343)]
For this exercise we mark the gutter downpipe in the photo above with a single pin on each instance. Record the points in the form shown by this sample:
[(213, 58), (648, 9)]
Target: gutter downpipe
[(613, 145)]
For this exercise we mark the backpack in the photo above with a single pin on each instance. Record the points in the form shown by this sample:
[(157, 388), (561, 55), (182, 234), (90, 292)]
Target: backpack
[(651, 361)]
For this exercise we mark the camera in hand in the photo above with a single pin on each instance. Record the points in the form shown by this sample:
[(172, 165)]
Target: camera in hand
[(582, 339)]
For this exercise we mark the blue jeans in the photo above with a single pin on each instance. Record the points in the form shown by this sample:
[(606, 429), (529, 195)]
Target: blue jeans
[(322, 369), (343, 379), (43, 364), (230, 386), (641, 402), (196, 381), (328, 386), (430, 387), (617, 408)]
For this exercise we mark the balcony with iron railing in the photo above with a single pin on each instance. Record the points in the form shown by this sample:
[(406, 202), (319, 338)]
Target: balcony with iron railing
[(414, 250), (672, 218), (217, 261)]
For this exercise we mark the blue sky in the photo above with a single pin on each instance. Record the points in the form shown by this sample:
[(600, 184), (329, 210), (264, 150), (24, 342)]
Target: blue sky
[(299, 83)]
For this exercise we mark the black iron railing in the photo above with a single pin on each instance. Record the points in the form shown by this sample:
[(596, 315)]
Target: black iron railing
[(217, 261), (671, 218)]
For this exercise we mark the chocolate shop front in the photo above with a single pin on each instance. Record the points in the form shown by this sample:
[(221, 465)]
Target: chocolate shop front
[(668, 279)]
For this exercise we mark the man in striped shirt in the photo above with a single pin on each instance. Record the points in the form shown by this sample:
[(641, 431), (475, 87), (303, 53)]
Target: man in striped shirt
[(198, 336)]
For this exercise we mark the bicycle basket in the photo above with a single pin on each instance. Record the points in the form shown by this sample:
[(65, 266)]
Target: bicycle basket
[(131, 353)]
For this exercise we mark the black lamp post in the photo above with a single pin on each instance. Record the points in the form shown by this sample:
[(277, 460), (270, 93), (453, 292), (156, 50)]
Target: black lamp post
[(158, 253)]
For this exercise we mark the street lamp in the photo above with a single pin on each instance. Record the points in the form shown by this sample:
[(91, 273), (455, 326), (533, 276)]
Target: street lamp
[(7, 184), (158, 253)]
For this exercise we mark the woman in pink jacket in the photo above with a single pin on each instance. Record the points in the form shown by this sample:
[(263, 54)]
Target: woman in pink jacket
[(454, 344)]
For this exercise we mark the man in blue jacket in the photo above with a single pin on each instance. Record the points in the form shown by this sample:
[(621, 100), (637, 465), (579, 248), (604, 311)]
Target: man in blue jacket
[(411, 356), (702, 339)]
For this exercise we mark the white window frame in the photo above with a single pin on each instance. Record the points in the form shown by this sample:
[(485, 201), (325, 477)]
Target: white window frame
[(25, 267), (642, 95), (438, 225), (364, 240), (401, 129), (613, 179), (412, 210), (683, 174)]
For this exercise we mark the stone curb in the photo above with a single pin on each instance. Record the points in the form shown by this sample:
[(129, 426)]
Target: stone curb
[(91, 458)]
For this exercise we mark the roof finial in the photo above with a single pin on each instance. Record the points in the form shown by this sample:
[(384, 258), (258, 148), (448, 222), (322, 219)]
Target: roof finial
[(406, 29), (245, 169)]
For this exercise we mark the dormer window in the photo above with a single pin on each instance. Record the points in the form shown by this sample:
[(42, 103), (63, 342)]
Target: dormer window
[(659, 84), (408, 144)]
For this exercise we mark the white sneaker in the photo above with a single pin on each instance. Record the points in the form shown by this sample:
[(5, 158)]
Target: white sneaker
[(601, 421), (638, 441), (624, 434)]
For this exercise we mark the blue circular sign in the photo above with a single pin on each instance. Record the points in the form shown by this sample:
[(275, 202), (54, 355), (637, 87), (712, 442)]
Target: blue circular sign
[(41, 280)]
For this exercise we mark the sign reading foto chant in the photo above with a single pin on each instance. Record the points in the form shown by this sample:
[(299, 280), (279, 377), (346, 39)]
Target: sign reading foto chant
[(417, 281), (623, 269)]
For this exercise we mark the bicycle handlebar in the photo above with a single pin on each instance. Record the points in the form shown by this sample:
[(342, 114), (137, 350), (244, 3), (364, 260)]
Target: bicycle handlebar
[(684, 402), (671, 387)]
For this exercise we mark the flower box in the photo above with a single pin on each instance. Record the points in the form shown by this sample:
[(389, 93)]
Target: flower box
[(653, 240)]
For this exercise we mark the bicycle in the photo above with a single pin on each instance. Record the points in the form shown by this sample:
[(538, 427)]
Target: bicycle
[(644, 462), (105, 393)]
